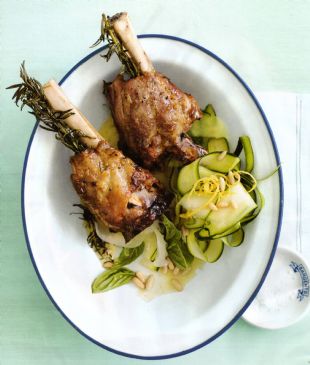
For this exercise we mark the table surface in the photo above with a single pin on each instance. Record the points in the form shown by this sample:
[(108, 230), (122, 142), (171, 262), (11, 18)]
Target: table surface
[(267, 42)]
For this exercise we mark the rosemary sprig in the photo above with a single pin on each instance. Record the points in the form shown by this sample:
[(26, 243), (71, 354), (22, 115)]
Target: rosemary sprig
[(115, 45), (30, 92), (93, 240)]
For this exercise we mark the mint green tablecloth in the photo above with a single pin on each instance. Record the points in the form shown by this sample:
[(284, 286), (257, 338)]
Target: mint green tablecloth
[(267, 42)]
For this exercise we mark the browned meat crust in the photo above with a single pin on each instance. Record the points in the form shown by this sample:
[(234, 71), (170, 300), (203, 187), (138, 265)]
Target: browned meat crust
[(120, 194), (152, 115)]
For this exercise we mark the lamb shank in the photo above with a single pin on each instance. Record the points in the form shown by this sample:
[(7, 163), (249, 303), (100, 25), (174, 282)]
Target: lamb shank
[(152, 115), (119, 194)]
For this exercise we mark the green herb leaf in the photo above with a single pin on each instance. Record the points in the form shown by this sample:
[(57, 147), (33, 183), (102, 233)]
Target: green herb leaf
[(176, 247), (128, 255), (112, 279), (179, 254)]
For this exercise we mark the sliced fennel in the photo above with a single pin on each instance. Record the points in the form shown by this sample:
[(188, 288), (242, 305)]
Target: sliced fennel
[(161, 252), (116, 238)]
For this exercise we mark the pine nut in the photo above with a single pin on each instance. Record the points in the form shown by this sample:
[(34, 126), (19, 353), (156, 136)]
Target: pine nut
[(222, 155), (184, 231), (222, 204), (222, 183), (212, 206), (234, 204), (231, 178), (149, 282), (140, 276), (170, 264), (164, 269), (108, 264), (138, 283), (237, 176), (176, 284), (176, 271)]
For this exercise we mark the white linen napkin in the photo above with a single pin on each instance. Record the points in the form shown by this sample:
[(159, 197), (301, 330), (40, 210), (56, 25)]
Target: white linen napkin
[(289, 117)]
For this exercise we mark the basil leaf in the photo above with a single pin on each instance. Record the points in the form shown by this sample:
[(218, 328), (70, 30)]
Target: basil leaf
[(179, 254), (128, 255), (112, 279), (176, 247)]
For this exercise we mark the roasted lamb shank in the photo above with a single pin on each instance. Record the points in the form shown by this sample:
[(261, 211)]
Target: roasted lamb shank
[(152, 115), (120, 194)]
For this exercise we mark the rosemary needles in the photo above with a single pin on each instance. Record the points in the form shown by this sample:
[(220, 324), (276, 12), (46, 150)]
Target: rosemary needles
[(115, 45), (31, 93), (93, 240)]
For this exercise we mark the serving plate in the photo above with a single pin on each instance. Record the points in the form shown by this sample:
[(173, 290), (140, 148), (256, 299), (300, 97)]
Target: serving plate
[(120, 320)]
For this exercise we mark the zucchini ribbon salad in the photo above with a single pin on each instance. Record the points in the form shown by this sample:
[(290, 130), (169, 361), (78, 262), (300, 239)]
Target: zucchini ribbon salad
[(161, 193)]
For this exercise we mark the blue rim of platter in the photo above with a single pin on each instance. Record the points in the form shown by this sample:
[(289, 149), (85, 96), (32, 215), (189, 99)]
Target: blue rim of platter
[(239, 314)]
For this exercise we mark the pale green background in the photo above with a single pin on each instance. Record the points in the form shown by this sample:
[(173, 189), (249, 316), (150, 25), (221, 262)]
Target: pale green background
[(267, 42)]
